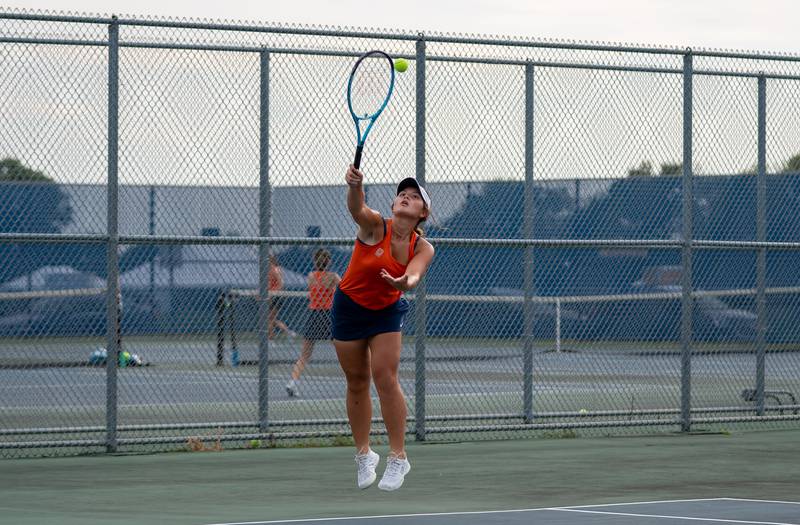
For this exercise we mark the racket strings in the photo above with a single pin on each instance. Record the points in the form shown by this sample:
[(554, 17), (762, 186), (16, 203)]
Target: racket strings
[(370, 86)]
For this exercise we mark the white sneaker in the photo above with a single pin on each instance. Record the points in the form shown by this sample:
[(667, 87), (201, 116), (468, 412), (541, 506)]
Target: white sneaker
[(396, 470), (366, 468), (291, 388)]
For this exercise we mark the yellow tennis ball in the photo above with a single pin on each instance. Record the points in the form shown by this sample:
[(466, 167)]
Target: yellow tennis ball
[(400, 65), (583, 411)]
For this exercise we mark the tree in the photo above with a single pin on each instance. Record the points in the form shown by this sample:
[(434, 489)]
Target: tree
[(792, 165), (671, 168), (12, 170), (644, 169), (30, 202)]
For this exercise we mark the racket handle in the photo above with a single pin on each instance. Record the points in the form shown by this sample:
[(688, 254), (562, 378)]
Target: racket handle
[(357, 161)]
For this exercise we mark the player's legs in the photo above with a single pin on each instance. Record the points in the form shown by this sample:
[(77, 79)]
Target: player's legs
[(354, 359), (385, 356), (305, 357)]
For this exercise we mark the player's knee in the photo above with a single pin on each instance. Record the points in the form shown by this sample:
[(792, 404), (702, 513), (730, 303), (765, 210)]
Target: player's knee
[(385, 380), (357, 382)]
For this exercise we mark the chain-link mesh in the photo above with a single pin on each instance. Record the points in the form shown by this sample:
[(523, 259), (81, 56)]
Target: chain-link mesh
[(587, 280)]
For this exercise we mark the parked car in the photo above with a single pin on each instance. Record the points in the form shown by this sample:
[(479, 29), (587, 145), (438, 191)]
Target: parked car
[(714, 318)]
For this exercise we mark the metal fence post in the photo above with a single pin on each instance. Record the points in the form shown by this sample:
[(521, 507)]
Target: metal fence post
[(686, 250), (761, 236), (112, 219), (220, 309), (151, 229), (528, 263), (420, 303), (473, 314), (264, 230)]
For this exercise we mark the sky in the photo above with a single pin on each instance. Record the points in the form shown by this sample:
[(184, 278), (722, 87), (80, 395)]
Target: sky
[(191, 118), (764, 25), (589, 125)]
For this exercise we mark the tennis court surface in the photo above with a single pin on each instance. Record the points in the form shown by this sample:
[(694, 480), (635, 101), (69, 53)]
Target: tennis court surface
[(746, 478), (718, 510)]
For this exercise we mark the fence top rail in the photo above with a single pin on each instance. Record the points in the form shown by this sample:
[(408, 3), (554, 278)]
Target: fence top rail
[(6, 237), (255, 27), (551, 299), (431, 58)]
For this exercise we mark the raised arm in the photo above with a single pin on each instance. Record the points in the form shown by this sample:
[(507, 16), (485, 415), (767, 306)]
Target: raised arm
[(369, 221)]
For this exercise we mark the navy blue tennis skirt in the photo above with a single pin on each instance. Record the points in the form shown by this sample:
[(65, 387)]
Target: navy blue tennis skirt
[(351, 321)]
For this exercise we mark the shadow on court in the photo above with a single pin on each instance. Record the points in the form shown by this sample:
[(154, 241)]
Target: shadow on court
[(588, 480)]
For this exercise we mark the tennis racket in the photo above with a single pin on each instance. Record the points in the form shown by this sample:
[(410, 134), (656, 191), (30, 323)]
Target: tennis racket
[(368, 92)]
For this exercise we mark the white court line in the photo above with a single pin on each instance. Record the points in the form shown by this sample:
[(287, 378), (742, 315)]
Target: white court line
[(714, 520), (637, 503), (763, 500), (467, 513), (381, 516)]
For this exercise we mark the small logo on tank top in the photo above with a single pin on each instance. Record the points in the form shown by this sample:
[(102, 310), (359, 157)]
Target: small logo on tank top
[(378, 252)]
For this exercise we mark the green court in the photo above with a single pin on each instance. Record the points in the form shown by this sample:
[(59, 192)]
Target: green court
[(304, 483)]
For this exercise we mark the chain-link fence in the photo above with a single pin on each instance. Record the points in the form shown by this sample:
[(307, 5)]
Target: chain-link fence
[(616, 233)]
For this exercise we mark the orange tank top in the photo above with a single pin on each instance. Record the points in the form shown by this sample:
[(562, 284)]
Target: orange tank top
[(320, 297), (362, 281), (274, 278)]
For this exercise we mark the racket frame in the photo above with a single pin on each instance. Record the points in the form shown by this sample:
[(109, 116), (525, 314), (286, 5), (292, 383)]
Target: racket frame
[(361, 138)]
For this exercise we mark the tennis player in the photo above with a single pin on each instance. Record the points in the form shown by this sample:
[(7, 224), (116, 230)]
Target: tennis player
[(276, 301), (389, 257), (321, 286)]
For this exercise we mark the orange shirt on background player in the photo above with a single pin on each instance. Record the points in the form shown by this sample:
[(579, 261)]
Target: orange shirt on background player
[(275, 277), (321, 287)]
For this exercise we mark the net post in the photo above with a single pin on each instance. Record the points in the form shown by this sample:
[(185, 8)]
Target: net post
[(558, 325), (112, 251), (686, 249), (528, 268), (264, 230), (421, 303), (761, 236), (151, 230), (118, 326), (220, 311), (232, 328)]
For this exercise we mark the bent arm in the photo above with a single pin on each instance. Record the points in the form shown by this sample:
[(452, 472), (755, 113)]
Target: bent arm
[(415, 271), (418, 266)]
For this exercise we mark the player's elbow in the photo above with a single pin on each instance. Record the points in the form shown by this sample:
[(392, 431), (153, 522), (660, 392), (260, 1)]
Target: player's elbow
[(413, 280)]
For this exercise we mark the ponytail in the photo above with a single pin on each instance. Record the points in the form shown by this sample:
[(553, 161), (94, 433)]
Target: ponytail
[(418, 229)]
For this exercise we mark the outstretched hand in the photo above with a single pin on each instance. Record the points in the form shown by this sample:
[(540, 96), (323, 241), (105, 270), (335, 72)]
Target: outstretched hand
[(403, 283)]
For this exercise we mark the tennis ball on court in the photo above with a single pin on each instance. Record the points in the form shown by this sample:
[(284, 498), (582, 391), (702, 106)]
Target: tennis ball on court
[(400, 65), (583, 411), (255, 443)]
